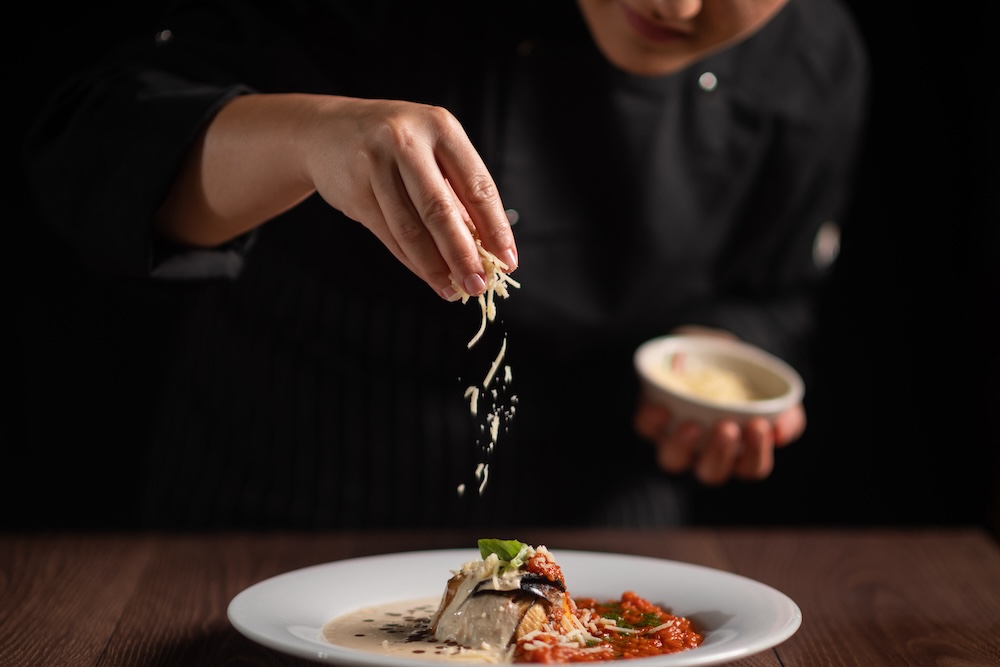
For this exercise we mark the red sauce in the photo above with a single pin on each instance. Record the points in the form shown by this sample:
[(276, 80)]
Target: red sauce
[(543, 566), (631, 612)]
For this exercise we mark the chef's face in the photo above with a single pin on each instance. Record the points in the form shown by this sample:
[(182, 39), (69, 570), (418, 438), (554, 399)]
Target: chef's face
[(657, 37)]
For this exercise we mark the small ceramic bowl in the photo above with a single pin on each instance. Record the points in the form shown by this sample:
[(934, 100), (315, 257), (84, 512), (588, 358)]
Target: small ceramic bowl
[(706, 379)]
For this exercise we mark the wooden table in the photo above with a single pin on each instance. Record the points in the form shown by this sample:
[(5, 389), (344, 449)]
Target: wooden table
[(868, 597)]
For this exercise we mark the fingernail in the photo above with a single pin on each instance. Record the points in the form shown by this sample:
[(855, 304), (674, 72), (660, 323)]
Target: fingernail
[(509, 258), (449, 293), (474, 284)]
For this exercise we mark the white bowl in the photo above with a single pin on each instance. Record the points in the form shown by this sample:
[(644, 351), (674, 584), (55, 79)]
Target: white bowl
[(706, 379)]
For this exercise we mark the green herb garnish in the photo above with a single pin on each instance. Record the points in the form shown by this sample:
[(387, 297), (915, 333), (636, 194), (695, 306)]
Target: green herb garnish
[(509, 552), (649, 620)]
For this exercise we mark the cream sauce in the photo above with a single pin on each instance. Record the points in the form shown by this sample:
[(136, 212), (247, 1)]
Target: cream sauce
[(400, 629)]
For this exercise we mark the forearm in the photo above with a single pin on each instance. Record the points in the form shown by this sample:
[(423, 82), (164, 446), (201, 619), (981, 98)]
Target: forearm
[(246, 167), (406, 171)]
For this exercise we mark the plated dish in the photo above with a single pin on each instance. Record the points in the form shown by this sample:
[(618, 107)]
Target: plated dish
[(514, 606), (738, 616)]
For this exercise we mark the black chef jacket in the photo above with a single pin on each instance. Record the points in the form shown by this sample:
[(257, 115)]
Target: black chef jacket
[(315, 382)]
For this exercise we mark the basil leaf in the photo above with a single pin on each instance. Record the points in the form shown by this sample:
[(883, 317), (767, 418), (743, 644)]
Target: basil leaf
[(506, 550)]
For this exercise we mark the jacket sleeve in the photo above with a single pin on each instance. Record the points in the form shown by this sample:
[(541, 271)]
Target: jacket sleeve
[(104, 149)]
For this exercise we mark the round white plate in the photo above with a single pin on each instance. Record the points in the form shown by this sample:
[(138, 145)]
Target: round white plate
[(737, 616)]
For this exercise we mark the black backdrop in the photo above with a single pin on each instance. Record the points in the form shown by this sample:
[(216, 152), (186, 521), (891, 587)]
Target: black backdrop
[(901, 427)]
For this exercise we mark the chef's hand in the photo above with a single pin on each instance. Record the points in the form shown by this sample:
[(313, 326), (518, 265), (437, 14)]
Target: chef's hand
[(407, 172), (410, 174), (725, 450)]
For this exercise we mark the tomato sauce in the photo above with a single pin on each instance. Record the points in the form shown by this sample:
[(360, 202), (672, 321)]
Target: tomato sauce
[(643, 630), (543, 566)]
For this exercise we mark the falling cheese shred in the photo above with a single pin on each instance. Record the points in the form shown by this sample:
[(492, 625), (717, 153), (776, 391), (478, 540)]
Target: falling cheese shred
[(472, 393), (496, 364)]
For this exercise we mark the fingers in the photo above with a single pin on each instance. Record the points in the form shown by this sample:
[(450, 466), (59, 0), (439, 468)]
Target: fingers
[(714, 455), (453, 200), (429, 226), (676, 448), (410, 174), (756, 460), (678, 451), (718, 458), (651, 420), (476, 190), (789, 425)]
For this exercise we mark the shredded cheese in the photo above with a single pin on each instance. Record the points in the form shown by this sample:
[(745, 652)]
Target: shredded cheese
[(497, 281), (472, 393), (496, 364), (482, 474), (494, 421), (706, 381)]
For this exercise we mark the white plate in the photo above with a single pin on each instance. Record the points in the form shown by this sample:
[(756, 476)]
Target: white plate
[(737, 616)]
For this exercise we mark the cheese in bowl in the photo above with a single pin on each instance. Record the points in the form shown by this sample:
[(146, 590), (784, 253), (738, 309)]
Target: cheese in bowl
[(712, 383), (709, 378)]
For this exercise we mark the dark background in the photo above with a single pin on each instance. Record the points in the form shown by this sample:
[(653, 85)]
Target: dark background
[(902, 417)]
